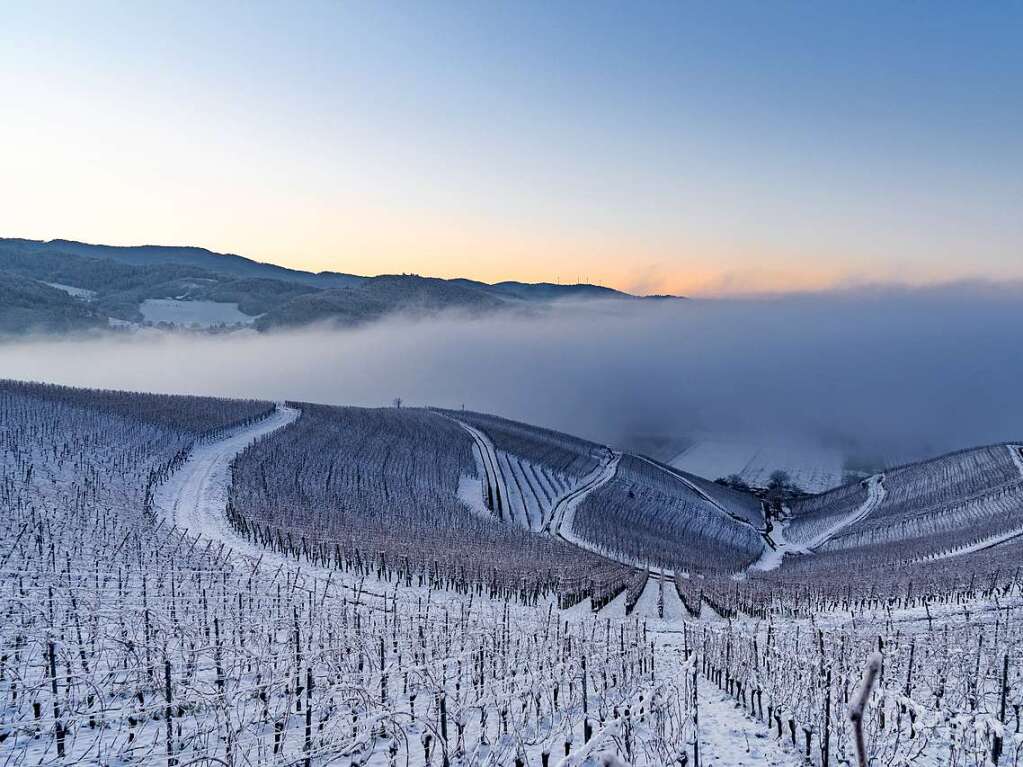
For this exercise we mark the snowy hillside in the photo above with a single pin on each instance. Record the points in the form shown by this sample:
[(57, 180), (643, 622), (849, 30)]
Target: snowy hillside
[(652, 516), (82, 293), (813, 467), (195, 287), (384, 485), (195, 581), (958, 502)]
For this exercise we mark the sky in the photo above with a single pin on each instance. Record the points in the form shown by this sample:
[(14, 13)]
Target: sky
[(693, 148)]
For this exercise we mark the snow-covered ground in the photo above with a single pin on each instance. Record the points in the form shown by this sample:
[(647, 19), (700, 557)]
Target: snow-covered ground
[(815, 468), (729, 738), (193, 313), (773, 557), (195, 497), (82, 293), (560, 524), (875, 496), (505, 671), (993, 540), (1017, 456), (726, 735)]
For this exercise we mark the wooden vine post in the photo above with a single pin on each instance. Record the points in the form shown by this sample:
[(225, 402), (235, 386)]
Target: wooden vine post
[(859, 703)]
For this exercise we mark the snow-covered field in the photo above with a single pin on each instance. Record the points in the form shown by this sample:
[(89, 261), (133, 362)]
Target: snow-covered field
[(82, 293), (193, 313), (141, 628), (814, 468)]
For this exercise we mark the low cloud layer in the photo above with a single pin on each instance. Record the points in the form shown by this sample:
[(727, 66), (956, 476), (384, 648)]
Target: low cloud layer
[(887, 373)]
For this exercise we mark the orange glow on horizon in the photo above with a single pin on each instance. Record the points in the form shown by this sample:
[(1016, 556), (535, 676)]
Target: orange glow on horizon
[(613, 265)]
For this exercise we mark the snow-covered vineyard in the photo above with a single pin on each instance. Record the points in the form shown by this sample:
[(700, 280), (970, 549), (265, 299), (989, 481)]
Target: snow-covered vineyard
[(197, 581)]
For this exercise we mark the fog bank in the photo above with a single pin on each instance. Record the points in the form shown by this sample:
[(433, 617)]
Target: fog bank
[(888, 373)]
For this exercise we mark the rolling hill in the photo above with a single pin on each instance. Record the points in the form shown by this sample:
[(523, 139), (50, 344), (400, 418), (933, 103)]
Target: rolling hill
[(191, 580), (197, 287)]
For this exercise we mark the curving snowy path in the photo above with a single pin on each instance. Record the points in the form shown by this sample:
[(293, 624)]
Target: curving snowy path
[(195, 496), (563, 512), (875, 497), (729, 738), (772, 558)]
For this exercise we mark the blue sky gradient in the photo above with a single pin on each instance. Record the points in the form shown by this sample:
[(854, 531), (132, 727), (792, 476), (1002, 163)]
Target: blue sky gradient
[(701, 148)]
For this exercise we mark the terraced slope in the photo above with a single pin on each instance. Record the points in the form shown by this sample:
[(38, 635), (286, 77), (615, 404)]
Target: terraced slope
[(389, 484), (814, 516), (927, 509), (745, 507), (558, 452), (973, 492), (631, 508), (947, 525), (197, 416), (654, 517), (528, 471)]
